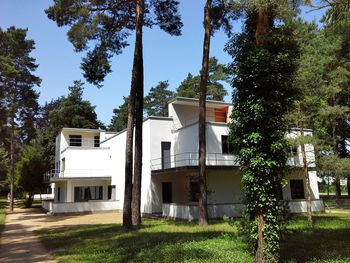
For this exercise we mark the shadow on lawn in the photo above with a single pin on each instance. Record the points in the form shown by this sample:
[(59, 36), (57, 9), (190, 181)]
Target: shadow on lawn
[(109, 243), (328, 240)]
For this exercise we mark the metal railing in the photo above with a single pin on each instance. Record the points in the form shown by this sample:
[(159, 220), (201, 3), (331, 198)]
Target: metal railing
[(81, 143), (76, 173), (191, 159)]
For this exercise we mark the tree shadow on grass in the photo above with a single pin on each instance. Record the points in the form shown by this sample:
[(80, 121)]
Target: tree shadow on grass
[(109, 243), (328, 240)]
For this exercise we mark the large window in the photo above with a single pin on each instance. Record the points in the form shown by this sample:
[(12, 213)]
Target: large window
[(74, 140), (297, 189), (85, 193), (226, 145)]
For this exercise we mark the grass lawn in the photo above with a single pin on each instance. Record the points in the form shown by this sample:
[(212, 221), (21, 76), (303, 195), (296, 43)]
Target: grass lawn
[(3, 202), (175, 241)]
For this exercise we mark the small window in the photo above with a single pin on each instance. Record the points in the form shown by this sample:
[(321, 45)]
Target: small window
[(293, 151), (220, 115), (111, 192), (297, 189), (194, 191), (75, 140), (226, 145), (97, 141)]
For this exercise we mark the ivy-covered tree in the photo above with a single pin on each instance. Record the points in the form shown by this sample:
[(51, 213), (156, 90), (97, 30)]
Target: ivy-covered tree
[(217, 74), (265, 55), (18, 99), (156, 101), (105, 26), (120, 118)]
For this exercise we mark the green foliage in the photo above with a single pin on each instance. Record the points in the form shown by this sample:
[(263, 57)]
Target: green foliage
[(120, 118), (217, 74), (18, 99), (264, 90), (102, 27), (156, 102), (30, 169)]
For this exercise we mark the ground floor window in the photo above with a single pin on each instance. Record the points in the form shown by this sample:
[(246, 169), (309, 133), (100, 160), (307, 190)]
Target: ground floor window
[(111, 192), (58, 194), (85, 193), (194, 191), (297, 189)]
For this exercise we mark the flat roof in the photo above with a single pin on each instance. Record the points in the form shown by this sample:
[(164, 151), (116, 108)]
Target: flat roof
[(83, 129), (60, 179), (191, 101)]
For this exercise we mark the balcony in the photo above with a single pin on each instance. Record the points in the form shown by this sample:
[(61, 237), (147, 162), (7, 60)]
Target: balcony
[(78, 143), (191, 159), (76, 173)]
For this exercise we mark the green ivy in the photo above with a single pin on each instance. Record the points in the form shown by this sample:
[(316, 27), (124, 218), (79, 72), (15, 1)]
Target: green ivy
[(263, 91)]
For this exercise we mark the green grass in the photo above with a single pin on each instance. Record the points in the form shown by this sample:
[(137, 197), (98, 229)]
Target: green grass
[(179, 241), (3, 202), (35, 204), (157, 241)]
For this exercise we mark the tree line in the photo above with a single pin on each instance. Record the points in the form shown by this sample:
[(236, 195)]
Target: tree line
[(285, 73)]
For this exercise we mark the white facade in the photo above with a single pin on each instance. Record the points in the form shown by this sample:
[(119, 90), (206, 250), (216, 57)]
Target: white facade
[(90, 165)]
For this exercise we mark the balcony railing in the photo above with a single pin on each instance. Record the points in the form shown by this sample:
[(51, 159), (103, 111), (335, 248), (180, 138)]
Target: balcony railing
[(81, 143), (76, 173), (191, 159)]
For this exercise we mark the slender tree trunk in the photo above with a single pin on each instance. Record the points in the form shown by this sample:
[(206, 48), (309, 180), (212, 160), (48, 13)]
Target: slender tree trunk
[(337, 188), (12, 161), (305, 169), (136, 197), (203, 209), (135, 80)]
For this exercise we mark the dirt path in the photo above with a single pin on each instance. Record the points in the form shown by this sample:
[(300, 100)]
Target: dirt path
[(18, 242)]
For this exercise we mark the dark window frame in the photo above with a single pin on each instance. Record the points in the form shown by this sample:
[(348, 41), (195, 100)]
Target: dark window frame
[(97, 141), (87, 193), (194, 191), (75, 140), (109, 194)]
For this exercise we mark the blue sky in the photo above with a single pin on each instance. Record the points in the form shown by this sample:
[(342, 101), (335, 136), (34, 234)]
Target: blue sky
[(165, 57)]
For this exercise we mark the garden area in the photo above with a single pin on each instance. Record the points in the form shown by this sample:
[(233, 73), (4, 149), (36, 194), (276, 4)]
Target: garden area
[(160, 240)]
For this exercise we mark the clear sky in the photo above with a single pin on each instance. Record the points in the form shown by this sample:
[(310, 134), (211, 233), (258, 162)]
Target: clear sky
[(165, 57)]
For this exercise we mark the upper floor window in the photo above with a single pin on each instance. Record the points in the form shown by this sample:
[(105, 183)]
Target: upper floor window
[(75, 140), (220, 115), (97, 141), (226, 145)]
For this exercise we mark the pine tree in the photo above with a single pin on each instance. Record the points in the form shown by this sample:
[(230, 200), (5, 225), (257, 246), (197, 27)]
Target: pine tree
[(105, 25), (19, 104), (156, 102)]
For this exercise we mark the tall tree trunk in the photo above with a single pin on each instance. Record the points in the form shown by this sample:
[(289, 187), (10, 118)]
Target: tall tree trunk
[(203, 209), (12, 160), (136, 190), (348, 185), (263, 25), (135, 81), (305, 169), (337, 188)]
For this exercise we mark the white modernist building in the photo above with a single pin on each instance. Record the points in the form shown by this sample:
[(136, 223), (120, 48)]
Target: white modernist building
[(89, 168)]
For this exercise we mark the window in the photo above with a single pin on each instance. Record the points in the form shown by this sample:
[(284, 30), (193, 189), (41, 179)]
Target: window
[(226, 145), (220, 115), (75, 140), (293, 151), (111, 192), (194, 191), (85, 193), (63, 164), (97, 141), (297, 189)]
